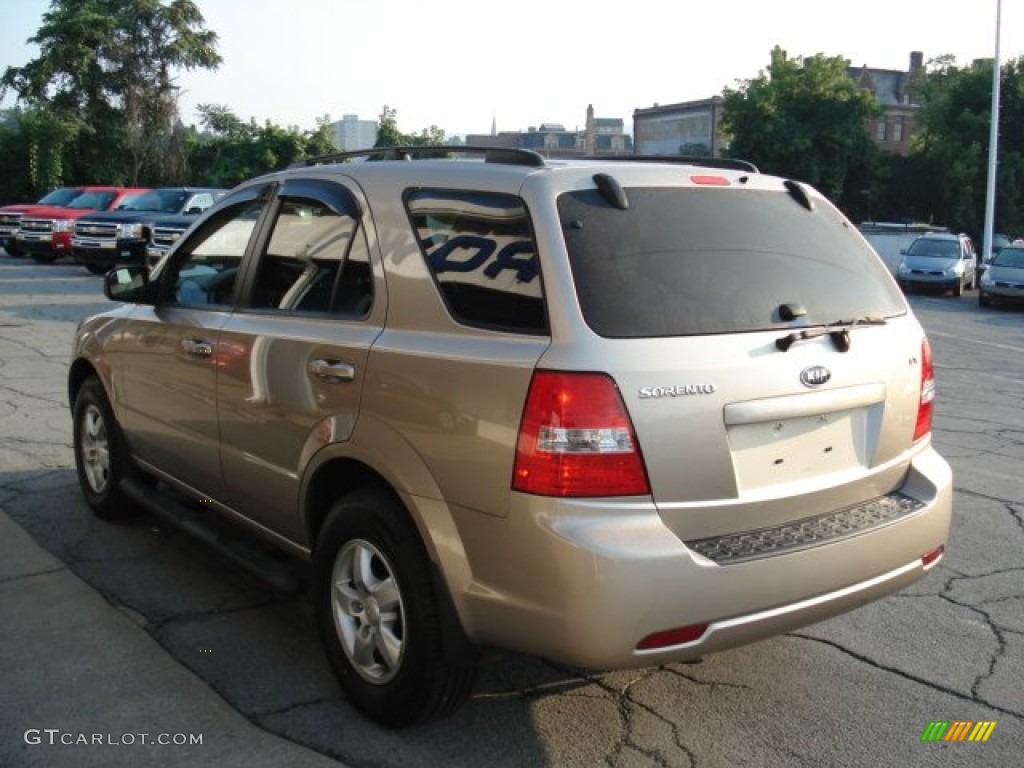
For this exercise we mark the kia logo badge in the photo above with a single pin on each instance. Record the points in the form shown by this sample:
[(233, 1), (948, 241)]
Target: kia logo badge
[(815, 376)]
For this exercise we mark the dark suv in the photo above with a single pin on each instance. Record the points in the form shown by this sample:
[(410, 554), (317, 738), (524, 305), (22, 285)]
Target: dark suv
[(615, 414), (102, 240)]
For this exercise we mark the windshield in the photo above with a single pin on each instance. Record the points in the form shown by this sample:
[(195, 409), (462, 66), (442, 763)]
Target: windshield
[(1010, 257), (686, 261), (162, 200), (60, 197), (93, 201), (940, 249)]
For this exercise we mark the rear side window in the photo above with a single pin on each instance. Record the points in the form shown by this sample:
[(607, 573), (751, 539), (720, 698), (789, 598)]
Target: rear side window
[(688, 261), (316, 261), (479, 247)]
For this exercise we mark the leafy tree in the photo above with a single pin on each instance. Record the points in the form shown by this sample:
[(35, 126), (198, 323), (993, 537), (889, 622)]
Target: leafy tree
[(805, 119), (951, 148), (106, 75), (230, 151), (388, 134)]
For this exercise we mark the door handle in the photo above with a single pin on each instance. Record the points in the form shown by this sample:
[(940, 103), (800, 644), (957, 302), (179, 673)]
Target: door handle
[(197, 348), (332, 370)]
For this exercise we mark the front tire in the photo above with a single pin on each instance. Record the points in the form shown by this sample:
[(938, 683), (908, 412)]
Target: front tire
[(958, 289), (984, 299), (100, 455), (378, 614), (44, 258)]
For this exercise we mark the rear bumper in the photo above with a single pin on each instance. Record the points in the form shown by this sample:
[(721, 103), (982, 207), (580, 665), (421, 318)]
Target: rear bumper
[(583, 582)]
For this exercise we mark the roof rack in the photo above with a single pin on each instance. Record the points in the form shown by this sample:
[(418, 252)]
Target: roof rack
[(503, 155), (726, 163)]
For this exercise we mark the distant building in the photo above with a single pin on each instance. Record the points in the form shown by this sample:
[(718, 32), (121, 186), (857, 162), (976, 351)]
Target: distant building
[(689, 128), (601, 136), (351, 133), (893, 90)]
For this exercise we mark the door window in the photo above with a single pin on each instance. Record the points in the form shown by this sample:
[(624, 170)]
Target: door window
[(316, 260), (205, 269)]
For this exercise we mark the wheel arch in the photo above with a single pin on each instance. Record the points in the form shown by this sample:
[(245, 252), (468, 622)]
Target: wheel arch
[(449, 567)]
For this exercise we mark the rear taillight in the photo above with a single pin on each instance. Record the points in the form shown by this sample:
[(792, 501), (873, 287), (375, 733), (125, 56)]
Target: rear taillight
[(576, 439), (924, 406)]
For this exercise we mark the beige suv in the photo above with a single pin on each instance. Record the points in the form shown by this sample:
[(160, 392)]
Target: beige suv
[(614, 414)]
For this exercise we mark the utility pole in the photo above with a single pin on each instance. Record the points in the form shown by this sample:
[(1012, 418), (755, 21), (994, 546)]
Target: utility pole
[(993, 147)]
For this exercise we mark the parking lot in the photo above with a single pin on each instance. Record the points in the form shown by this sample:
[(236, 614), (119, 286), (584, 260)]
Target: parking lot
[(858, 690)]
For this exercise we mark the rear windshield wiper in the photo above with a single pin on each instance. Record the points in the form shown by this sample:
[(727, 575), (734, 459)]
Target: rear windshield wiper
[(838, 331)]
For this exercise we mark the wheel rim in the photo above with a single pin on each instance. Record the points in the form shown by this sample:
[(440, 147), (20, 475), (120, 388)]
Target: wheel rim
[(95, 449), (368, 611)]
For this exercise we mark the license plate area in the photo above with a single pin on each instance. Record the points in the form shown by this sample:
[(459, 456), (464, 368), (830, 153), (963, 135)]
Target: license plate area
[(791, 449)]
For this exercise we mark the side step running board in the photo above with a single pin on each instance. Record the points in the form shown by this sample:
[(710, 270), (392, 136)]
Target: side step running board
[(243, 550)]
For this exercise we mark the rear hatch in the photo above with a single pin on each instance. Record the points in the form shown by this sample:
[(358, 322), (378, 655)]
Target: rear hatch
[(769, 363)]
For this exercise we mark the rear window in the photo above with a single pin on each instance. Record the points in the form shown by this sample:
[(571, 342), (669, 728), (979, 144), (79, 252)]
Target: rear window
[(681, 262)]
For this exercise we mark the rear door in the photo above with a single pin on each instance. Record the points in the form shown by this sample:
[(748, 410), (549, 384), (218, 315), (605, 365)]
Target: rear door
[(292, 361)]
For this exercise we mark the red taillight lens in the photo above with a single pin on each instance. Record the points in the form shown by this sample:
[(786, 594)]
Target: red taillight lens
[(576, 439), (928, 559), (924, 407), (670, 637)]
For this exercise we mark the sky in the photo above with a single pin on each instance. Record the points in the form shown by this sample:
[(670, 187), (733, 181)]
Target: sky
[(462, 64)]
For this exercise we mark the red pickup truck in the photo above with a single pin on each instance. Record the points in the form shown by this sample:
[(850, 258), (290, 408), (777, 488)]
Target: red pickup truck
[(45, 233)]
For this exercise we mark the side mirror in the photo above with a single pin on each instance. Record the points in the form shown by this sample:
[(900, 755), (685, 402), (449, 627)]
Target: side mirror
[(903, 251), (127, 284)]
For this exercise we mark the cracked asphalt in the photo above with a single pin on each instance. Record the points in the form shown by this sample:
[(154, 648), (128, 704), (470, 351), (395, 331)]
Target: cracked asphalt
[(161, 633)]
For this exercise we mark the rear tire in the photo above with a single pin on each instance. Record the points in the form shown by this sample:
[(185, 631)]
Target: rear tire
[(100, 454), (378, 614)]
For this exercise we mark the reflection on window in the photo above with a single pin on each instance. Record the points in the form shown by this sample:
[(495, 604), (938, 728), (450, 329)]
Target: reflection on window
[(206, 268), (480, 249), (316, 261)]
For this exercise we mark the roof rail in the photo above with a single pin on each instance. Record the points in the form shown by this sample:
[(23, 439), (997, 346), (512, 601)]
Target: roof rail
[(502, 155), (727, 163)]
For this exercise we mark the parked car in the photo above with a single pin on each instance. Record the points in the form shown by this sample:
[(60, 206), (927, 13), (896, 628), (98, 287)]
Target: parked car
[(999, 241), (939, 260), (164, 233), (102, 240), (1004, 278), (46, 234), (11, 215), (614, 414)]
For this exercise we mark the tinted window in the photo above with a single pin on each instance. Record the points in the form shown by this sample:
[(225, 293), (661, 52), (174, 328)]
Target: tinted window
[(480, 249), (690, 261), (1009, 257), (316, 261), (942, 249), (93, 201), (162, 200), (61, 196)]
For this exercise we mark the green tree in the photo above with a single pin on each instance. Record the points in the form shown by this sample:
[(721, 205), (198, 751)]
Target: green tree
[(805, 119), (388, 134), (106, 73), (951, 147), (229, 151)]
